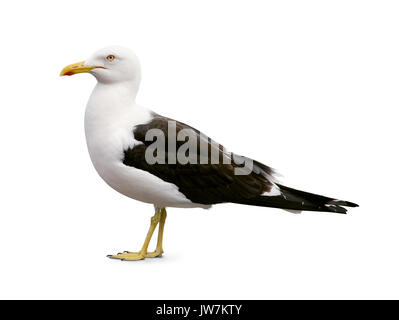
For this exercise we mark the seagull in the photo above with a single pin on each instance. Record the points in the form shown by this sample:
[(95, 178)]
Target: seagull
[(166, 163)]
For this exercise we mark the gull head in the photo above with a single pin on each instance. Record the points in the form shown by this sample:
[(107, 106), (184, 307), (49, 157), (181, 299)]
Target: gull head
[(111, 64)]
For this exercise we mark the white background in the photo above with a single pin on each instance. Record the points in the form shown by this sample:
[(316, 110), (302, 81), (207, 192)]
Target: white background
[(307, 87)]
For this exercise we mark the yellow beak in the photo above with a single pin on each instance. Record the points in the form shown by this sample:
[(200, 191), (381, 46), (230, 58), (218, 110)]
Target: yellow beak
[(75, 68)]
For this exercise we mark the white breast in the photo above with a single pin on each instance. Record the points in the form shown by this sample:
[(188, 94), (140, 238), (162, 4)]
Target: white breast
[(109, 124)]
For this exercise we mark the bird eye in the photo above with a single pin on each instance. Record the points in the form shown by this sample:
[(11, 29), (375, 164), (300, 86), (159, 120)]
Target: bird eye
[(110, 57)]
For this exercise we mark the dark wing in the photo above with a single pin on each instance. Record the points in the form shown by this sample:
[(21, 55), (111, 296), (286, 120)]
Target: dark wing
[(201, 183)]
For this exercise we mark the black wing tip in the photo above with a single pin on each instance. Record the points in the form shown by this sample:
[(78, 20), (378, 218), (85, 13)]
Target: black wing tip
[(338, 206), (343, 203), (351, 204)]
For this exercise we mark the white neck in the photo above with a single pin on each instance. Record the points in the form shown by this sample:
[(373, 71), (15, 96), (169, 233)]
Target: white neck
[(113, 105), (126, 90)]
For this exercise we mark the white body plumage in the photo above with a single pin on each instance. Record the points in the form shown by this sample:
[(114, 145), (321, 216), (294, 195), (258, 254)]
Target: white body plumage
[(110, 118)]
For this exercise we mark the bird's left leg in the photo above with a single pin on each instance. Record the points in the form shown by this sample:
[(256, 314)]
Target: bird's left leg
[(142, 254)]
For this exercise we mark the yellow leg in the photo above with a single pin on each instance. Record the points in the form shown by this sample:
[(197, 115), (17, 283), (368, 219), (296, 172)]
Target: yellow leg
[(159, 217), (159, 250)]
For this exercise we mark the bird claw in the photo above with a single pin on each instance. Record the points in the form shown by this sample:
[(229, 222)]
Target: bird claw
[(135, 256), (128, 256)]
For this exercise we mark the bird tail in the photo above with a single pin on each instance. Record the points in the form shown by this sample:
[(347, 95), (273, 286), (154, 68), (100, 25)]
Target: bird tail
[(292, 199)]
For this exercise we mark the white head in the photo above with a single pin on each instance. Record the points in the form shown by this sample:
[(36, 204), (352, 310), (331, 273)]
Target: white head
[(113, 64)]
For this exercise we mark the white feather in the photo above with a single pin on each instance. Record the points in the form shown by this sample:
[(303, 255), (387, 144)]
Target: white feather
[(274, 191)]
